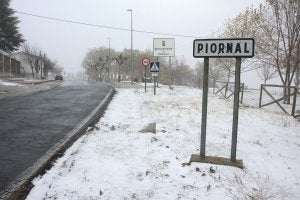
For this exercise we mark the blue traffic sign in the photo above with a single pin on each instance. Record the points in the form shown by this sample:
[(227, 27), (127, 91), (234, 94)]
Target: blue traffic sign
[(154, 67)]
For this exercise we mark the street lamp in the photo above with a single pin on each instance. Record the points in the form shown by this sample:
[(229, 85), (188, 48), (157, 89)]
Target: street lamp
[(130, 10), (109, 59), (108, 47)]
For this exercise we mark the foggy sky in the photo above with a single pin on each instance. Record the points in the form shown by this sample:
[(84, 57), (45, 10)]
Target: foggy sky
[(68, 43)]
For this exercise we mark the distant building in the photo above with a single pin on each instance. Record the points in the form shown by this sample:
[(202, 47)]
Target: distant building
[(37, 63), (9, 65)]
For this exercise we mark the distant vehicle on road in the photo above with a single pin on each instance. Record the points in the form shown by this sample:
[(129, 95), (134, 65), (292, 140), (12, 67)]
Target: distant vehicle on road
[(59, 77)]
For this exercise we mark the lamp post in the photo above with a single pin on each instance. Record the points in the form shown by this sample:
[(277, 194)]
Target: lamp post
[(109, 59), (131, 67), (108, 47)]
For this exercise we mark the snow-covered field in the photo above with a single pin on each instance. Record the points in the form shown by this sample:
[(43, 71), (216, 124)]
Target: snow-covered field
[(116, 160)]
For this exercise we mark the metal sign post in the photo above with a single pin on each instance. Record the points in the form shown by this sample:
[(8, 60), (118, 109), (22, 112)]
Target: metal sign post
[(154, 77), (145, 79), (170, 73), (235, 108), (145, 62), (204, 107), (230, 48), (154, 69)]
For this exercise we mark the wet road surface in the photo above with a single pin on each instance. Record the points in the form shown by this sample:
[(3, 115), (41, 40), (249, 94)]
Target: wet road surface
[(31, 125)]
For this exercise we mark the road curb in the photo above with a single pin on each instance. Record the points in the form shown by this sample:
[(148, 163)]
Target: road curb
[(30, 92), (41, 82), (20, 188), (30, 82)]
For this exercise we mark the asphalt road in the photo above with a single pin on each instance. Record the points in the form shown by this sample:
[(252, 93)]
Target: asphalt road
[(31, 125)]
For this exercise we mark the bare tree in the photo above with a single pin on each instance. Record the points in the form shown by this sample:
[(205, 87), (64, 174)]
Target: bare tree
[(281, 37), (90, 65), (275, 26), (102, 67), (182, 73), (49, 66), (243, 25), (198, 72), (217, 69), (297, 78), (31, 56), (97, 63), (267, 72), (138, 70), (164, 70), (120, 59)]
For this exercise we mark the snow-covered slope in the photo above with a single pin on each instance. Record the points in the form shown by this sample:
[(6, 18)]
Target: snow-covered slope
[(115, 160)]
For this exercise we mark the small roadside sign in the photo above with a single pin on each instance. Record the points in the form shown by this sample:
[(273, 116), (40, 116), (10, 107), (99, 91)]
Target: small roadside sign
[(146, 61), (154, 67)]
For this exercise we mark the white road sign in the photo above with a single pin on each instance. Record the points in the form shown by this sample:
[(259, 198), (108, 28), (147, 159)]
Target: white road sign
[(241, 47), (163, 47)]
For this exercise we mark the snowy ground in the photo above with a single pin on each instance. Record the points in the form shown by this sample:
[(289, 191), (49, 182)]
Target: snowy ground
[(4, 83), (117, 161)]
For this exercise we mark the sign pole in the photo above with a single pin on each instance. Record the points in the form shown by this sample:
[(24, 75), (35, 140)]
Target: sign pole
[(145, 63), (145, 79), (154, 85), (170, 84), (204, 107), (237, 48), (235, 108), (156, 58), (154, 69)]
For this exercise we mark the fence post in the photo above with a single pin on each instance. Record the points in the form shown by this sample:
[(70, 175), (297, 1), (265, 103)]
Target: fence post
[(242, 93), (226, 89), (294, 101), (260, 95)]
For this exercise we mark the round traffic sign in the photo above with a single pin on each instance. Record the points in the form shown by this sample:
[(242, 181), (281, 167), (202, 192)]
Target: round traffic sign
[(146, 62)]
